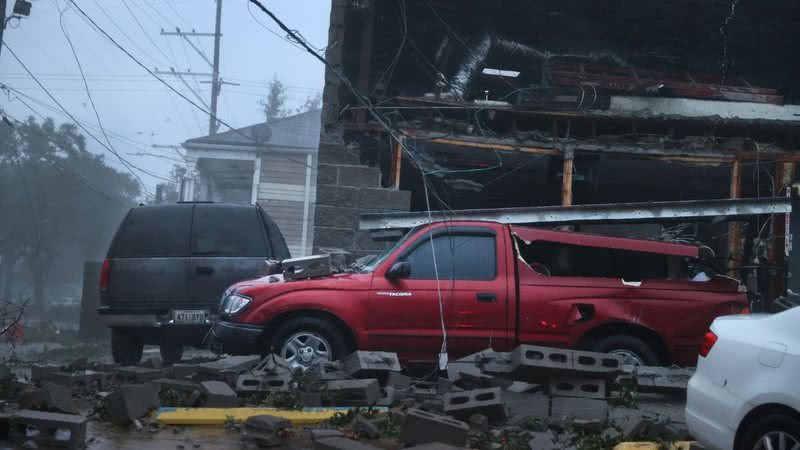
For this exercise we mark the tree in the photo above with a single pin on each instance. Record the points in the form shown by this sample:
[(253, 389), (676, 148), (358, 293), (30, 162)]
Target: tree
[(60, 205), (312, 102), (275, 103)]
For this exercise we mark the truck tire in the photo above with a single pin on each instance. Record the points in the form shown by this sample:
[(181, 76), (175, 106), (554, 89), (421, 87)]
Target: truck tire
[(634, 350), (125, 348), (170, 353), (304, 341)]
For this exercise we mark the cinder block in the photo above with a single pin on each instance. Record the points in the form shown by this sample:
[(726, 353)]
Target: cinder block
[(219, 395), (397, 386), (266, 431), (232, 364), (130, 402), (359, 176), (578, 387), (177, 385), (391, 199), (322, 433), (532, 362), (420, 427), (327, 371), (181, 371), (341, 443), (82, 382), (361, 364), (329, 237), (342, 196), (255, 382), (662, 379), (327, 175), (49, 430), (463, 404), (41, 372), (51, 397), (335, 216), (578, 408), (330, 153), (353, 392), (135, 375), (534, 405), (596, 363)]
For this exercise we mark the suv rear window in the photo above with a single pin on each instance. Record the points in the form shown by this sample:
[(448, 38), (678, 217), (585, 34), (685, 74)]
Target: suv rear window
[(154, 232), (227, 231)]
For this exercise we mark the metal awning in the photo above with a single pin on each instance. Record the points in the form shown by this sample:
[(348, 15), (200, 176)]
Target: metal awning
[(615, 212)]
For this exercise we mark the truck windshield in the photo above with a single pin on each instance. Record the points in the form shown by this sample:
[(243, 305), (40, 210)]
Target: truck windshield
[(381, 257)]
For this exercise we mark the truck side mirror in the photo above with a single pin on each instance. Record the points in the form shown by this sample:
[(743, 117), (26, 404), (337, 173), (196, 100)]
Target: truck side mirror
[(399, 270)]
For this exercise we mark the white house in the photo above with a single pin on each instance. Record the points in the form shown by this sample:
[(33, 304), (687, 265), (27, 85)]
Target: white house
[(273, 164)]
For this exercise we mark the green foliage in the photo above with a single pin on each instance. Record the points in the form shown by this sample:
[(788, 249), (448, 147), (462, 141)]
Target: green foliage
[(286, 400), (60, 204), (173, 397), (629, 394)]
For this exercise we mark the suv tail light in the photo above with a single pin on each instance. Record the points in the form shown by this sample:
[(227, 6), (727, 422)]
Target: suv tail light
[(105, 280), (708, 341)]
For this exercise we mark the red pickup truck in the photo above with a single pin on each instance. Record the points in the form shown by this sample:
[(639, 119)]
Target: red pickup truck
[(499, 286)]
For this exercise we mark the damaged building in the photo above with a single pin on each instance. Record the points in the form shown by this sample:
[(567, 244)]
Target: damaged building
[(520, 104)]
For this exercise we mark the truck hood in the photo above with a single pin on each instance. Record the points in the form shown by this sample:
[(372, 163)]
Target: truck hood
[(274, 285)]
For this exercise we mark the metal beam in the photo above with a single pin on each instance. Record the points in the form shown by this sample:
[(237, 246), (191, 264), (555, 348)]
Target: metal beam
[(619, 212)]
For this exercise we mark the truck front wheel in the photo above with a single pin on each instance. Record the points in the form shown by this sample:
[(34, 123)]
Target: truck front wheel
[(633, 350), (305, 341), (125, 348), (171, 353)]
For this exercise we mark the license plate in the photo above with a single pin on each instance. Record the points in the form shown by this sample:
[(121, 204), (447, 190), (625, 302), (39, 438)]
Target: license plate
[(193, 316)]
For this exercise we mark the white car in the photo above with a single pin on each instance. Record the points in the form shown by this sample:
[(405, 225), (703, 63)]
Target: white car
[(745, 393)]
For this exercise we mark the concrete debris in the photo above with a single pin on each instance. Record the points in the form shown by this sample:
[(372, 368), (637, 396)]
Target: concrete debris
[(50, 430), (372, 364), (233, 364), (135, 375), (51, 397), (527, 405), (352, 392), (420, 427), (662, 379), (41, 372), (434, 446), (463, 404), (82, 382), (266, 431), (397, 385), (578, 387), (479, 421), (219, 395), (365, 427), (130, 402), (543, 440), (327, 371), (322, 433), (181, 371)]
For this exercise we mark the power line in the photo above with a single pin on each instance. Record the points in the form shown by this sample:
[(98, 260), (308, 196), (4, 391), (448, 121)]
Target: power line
[(78, 123), (154, 75), (91, 100)]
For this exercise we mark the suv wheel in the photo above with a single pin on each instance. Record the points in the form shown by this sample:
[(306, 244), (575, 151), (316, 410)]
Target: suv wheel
[(306, 341), (125, 348), (772, 432), (633, 350), (171, 353)]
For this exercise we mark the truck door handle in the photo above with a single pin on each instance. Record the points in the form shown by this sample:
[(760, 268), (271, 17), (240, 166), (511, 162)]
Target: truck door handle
[(204, 270), (486, 297)]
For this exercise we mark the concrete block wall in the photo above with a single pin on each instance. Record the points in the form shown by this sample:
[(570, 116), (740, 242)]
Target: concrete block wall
[(345, 187)]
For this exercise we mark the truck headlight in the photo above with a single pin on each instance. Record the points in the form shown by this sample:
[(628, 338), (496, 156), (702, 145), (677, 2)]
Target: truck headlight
[(235, 303)]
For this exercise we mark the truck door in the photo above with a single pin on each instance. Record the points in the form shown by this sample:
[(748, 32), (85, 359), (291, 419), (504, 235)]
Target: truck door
[(228, 245), (478, 312)]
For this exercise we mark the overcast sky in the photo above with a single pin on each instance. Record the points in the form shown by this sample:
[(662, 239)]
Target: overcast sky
[(136, 109)]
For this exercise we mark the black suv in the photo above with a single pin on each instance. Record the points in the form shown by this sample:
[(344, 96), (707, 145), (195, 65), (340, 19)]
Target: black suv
[(168, 266)]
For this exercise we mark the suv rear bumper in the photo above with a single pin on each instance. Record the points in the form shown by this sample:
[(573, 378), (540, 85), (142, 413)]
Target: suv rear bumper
[(236, 338)]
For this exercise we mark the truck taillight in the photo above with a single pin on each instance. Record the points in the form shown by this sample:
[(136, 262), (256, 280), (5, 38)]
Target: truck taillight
[(105, 280), (708, 341)]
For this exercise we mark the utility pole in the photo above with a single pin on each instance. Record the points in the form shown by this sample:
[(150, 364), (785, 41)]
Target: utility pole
[(216, 81), (22, 8)]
